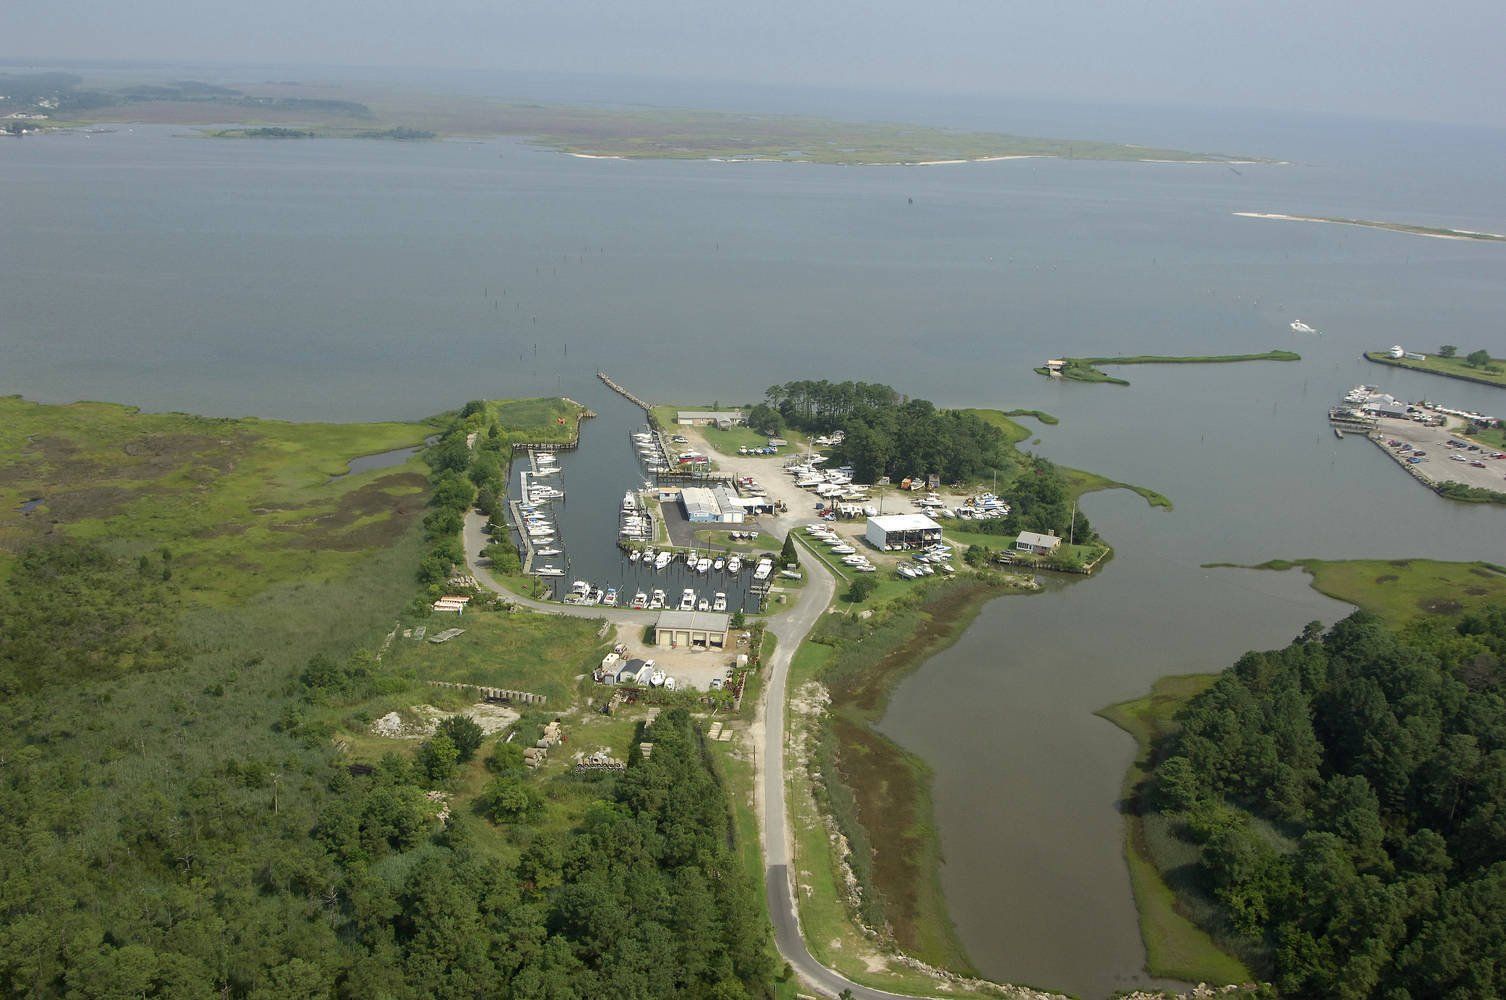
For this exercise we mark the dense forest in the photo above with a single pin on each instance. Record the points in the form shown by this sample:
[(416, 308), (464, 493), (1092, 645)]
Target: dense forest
[(176, 819), (1348, 798)]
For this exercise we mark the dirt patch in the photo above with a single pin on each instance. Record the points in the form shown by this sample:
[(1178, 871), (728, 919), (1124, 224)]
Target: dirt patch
[(159, 454), (418, 722), (1440, 606), (1387, 578), (92, 502), (1476, 591), (333, 529)]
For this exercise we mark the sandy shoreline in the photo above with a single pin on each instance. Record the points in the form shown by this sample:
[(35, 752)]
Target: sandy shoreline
[(1395, 227)]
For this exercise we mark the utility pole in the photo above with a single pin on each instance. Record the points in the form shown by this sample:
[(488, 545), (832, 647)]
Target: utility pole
[(1072, 531)]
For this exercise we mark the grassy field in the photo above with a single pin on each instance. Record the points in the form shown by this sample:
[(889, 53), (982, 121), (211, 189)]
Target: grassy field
[(547, 420), (242, 504), (1087, 369), (543, 654), (1404, 590), (1175, 947), (1450, 367)]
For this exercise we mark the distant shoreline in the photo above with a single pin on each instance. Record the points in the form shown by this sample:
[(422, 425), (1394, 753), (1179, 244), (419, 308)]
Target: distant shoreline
[(1434, 232)]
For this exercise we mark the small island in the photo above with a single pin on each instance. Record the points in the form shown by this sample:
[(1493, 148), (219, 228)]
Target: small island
[(1436, 232), (1087, 369), (1476, 366)]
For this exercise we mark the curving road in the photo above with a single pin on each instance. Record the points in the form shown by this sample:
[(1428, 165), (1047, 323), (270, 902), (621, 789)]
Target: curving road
[(790, 628)]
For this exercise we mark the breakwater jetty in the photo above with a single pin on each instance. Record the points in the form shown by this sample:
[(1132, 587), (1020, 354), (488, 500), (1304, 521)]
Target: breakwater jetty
[(625, 394)]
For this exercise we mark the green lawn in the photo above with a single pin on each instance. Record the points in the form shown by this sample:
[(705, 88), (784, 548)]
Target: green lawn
[(1175, 947), (1451, 367)]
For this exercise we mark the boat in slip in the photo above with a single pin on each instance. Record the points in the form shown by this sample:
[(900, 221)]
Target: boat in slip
[(634, 555), (704, 605), (610, 597), (734, 565), (720, 602), (718, 564), (702, 564), (687, 600), (546, 552), (656, 602), (640, 601), (662, 560)]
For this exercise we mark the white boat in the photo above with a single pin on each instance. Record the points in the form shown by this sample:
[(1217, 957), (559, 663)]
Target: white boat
[(763, 569), (580, 587), (634, 556), (720, 603), (854, 560), (610, 597), (1300, 327), (843, 550), (657, 601), (648, 555), (907, 572), (546, 552), (704, 605), (718, 564), (662, 560), (640, 600), (548, 570), (790, 574), (866, 568), (687, 600), (656, 679), (926, 570), (702, 564), (669, 683), (734, 565), (948, 568)]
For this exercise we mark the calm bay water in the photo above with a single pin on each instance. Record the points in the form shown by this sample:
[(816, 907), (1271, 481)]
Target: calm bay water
[(345, 280)]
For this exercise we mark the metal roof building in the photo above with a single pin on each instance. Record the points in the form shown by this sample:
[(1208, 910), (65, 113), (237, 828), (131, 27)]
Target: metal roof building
[(901, 531), (691, 628), (1032, 541)]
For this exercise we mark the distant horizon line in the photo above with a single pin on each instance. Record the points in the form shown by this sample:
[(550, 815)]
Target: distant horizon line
[(352, 71)]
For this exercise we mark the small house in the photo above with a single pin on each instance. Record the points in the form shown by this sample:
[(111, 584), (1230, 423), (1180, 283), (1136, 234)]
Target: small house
[(1036, 543)]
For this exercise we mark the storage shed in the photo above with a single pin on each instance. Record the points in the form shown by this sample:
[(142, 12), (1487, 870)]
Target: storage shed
[(901, 531)]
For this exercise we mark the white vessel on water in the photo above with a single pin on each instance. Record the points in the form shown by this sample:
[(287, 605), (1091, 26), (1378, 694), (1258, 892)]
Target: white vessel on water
[(763, 569), (657, 601), (662, 560), (687, 600), (734, 565), (720, 604), (1300, 327)]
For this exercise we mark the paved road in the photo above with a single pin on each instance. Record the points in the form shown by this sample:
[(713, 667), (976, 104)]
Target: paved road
[(790, 628)]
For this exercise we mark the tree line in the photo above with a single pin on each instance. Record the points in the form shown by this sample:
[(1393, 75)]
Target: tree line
[(889, 435), (1347, 796)]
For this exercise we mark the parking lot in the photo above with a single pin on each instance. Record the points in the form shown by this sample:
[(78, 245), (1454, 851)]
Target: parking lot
[(1440, 465)]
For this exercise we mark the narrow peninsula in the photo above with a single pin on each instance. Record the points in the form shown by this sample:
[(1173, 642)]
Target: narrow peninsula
[(1087, 369), (1436, 232)]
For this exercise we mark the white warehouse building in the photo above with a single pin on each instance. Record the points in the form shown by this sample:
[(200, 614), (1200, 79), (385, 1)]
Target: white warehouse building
[(901, 531), (713, 506)]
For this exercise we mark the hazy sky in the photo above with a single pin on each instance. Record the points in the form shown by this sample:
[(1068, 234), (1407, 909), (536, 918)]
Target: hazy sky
[(1440, 61)]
